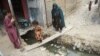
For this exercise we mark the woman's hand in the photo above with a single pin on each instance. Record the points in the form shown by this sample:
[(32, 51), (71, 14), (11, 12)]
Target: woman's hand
[(12, 20)]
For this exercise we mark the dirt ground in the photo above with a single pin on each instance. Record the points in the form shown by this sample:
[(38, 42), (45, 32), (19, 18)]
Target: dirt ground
[(86, 26), (5, 45)]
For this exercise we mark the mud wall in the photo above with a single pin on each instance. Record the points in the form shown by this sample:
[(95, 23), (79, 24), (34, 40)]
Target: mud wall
[(36, 9)]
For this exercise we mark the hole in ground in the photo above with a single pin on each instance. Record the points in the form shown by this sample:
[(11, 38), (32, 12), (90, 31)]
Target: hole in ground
[(29, 37)]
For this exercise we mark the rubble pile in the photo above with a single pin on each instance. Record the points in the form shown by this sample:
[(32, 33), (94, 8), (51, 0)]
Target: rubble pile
[(77, 43)]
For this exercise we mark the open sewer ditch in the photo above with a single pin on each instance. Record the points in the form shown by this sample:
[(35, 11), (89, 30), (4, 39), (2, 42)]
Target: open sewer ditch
[(55, 48)]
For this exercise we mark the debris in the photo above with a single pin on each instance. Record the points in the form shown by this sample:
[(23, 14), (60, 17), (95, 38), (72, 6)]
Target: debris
[(74, 48), (52, 44), (63, 47), (57, 55), (42, 48), (55, 45), (58, 46), (61, 53)]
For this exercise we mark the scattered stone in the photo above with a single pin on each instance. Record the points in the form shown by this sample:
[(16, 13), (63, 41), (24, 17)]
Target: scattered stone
[(60, 52), (55, 45), (43, 49), (52, 44), (78, 45), (74, 48), (63, 47), (57, 55)]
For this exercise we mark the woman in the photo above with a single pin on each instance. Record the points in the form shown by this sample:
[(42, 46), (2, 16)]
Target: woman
[(57, 18), (9, 24)]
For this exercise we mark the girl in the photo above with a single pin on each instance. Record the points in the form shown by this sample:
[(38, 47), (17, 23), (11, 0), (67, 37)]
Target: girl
[(38, 31)]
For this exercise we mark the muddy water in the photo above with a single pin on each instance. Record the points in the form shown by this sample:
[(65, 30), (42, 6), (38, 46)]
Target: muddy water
[(53, 47), (60, 50)]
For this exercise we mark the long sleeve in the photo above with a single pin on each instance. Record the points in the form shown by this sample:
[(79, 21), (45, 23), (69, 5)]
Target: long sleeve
[(7, 23)]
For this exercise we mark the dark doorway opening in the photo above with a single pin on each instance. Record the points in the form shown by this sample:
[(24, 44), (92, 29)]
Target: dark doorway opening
[(17, 7), (1, 12), (3, 6)]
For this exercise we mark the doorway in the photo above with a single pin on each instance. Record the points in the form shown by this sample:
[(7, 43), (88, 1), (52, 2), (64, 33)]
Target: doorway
[(3, 6), (17, 7)]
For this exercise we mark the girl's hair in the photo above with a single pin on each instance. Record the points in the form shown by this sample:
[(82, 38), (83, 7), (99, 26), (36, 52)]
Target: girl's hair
[(6, 11), (35, 22)]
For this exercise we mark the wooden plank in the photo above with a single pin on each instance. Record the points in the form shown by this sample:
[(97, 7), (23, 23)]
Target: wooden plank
[(30, 47)]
